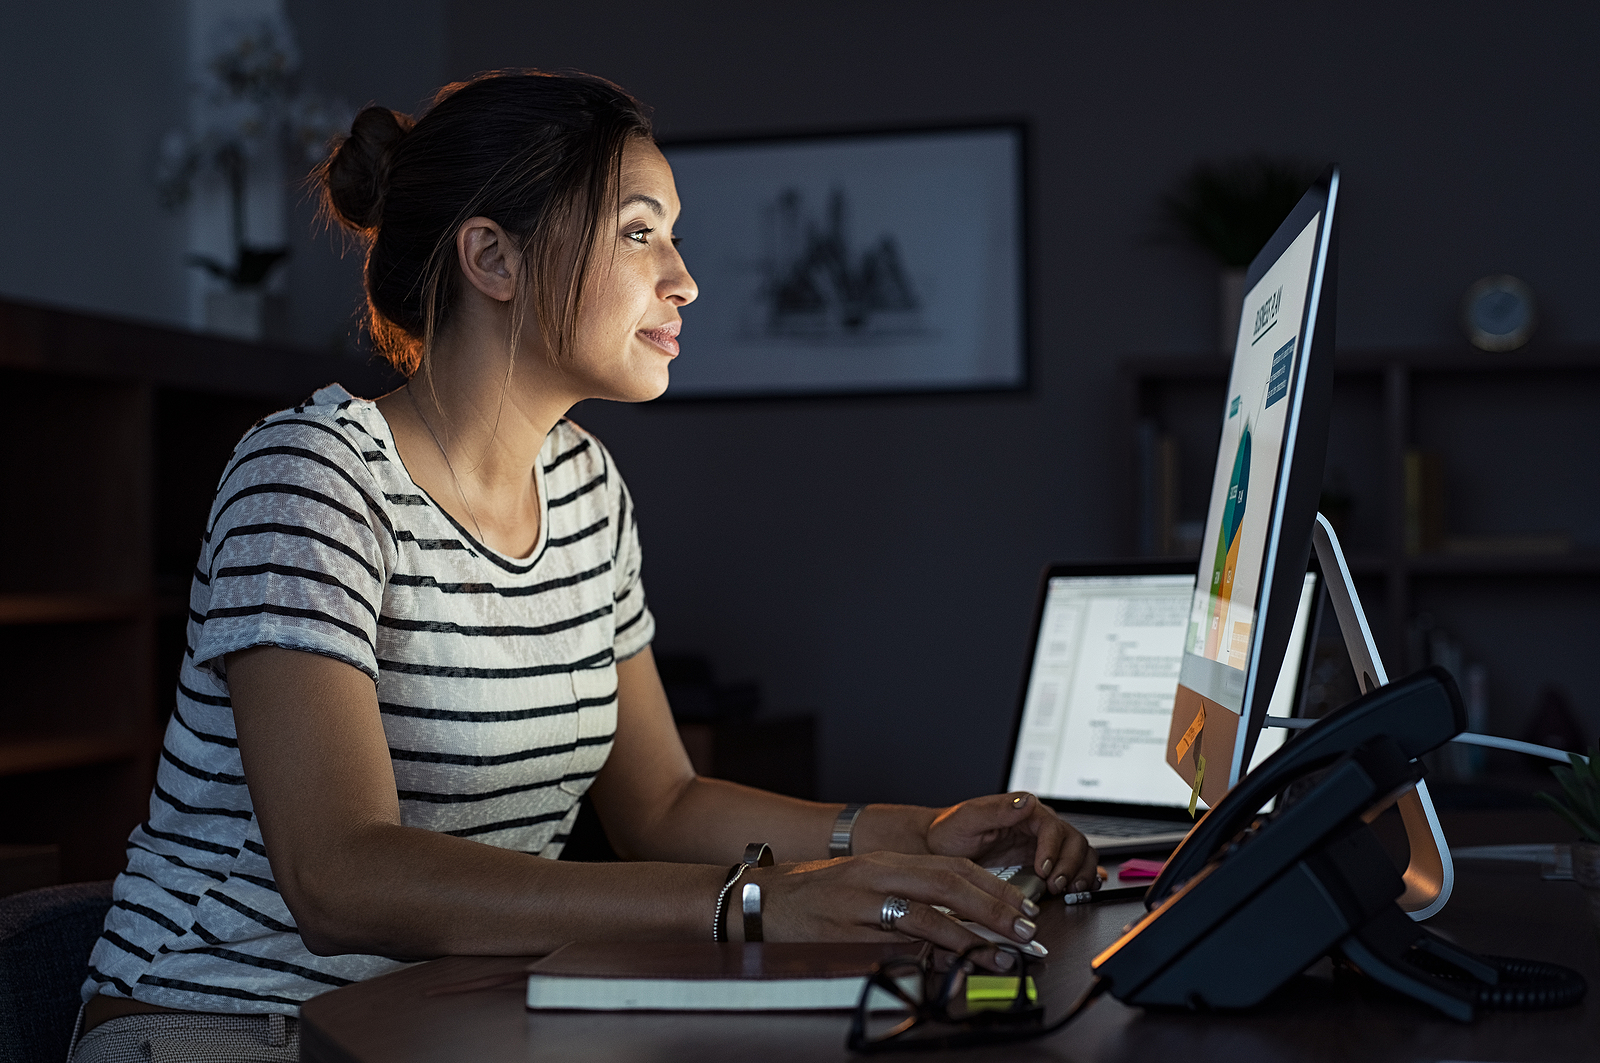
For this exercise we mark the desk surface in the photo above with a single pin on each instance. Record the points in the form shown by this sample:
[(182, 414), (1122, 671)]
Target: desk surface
[(431, 1013)]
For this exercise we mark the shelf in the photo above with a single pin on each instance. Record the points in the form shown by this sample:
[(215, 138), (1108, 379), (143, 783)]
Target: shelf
[(1427, 360), (68, 608), (19, 756), (55, 340), (1573, 564)]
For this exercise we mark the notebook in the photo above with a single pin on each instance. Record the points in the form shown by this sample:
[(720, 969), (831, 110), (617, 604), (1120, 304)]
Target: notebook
[(1091, 725), (706, 975)]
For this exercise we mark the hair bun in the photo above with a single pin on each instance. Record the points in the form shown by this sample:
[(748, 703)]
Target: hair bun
[(357, 173)]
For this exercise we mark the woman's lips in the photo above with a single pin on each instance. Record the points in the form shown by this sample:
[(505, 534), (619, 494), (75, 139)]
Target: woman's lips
[(664, 337)]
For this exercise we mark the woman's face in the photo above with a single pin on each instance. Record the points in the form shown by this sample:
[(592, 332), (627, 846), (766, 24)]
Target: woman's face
[(628, 319)]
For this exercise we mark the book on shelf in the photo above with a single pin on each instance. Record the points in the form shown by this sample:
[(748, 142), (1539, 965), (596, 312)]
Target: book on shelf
[(1424, 502), (706, 975)]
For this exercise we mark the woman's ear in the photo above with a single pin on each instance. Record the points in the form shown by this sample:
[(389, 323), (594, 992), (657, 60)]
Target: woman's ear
[(489, 258)]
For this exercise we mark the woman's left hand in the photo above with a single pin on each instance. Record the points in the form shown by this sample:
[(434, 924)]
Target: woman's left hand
[(1017, 828)]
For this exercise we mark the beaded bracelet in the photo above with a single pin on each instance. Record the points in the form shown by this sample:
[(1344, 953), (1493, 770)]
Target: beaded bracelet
[(717, 933)]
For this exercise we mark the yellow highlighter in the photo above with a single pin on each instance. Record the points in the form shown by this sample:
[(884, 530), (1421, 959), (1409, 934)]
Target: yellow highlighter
[(994, 992)]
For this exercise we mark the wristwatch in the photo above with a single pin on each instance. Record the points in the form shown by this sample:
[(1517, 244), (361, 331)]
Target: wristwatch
[(842, 841)]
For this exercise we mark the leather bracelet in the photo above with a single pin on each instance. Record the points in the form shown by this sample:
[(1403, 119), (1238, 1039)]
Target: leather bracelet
[(717, 933), (842, 841)]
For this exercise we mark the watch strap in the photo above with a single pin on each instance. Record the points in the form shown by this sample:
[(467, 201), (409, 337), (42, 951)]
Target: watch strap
[(840, 842)]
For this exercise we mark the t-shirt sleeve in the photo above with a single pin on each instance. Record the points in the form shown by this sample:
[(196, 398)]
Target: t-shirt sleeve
[(297, 549), (635, 625)]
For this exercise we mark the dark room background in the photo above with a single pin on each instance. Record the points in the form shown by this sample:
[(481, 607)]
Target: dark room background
[(873, 560)]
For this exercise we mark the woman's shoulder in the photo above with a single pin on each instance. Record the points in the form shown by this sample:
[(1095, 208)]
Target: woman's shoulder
[(573, 452), (331, 421), (332, 441), (579, 468)]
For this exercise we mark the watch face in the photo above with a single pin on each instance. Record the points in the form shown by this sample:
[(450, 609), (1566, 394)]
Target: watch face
[(1498, 313)]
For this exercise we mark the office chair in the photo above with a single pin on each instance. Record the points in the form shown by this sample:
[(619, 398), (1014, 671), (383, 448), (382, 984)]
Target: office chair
[(45, 938)]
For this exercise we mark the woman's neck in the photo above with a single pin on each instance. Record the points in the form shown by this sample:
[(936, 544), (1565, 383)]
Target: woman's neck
[(469, 426)]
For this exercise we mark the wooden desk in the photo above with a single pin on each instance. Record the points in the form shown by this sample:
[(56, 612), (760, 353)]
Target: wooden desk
[(1496, 908)]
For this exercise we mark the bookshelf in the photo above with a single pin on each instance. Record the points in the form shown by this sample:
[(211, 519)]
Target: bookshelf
[(114, 437), (1472, 491)]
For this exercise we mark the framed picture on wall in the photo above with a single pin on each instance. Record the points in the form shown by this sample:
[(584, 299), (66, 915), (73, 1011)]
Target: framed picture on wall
[(852, 263)]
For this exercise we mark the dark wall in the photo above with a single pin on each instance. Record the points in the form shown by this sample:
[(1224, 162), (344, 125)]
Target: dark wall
[(87, 97), (874, 559), (360, 51)]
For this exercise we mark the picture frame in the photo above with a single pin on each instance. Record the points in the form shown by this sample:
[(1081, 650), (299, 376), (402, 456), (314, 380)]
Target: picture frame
[(866, 262)]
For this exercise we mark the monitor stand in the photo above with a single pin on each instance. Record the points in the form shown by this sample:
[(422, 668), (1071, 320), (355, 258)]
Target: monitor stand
[(1430, 876)]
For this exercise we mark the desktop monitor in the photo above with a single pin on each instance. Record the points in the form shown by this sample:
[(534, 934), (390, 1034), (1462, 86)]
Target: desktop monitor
[(1264, 494)]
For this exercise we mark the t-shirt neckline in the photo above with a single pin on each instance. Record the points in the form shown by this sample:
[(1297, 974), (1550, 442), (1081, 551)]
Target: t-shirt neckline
[(517, 566)]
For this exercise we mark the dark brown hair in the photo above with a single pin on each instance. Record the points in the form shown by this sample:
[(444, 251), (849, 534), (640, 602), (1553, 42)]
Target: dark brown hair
[(540, 154)]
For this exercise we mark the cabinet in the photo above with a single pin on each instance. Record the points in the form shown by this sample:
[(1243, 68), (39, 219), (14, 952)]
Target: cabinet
[(1466, 490), (114, 436)]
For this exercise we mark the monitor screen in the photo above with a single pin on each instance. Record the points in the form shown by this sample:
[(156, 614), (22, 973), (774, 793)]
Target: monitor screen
[(1100, 691), (1262, 503)]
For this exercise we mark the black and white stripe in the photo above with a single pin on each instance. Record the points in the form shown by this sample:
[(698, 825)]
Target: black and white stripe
[(496, 683)]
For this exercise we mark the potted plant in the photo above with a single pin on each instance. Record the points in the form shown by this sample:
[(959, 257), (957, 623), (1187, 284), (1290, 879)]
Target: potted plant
[(248, 115), (1230, 210), (1581, 808)]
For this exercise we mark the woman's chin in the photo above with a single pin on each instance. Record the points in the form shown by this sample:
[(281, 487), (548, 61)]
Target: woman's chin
[(643, 388)]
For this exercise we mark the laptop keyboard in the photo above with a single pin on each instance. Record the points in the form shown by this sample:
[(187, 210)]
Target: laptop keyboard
[(1122, 826)]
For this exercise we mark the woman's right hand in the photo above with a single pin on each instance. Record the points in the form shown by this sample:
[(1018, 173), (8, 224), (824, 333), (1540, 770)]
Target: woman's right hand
[(842, 900)]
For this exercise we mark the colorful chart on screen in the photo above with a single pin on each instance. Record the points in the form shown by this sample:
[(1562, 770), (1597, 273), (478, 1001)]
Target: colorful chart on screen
[(1233, 551)]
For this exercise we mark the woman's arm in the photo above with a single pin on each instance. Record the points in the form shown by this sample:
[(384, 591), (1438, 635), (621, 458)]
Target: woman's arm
[(655, 808), (356, 880)]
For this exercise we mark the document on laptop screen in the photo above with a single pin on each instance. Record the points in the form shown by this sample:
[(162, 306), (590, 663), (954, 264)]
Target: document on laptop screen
[(1100, 692), (1099, 700)]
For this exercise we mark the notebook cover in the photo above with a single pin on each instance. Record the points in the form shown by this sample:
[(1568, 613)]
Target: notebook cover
[(706, 976)]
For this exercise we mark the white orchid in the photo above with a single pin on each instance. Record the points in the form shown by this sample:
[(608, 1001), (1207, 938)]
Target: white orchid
[(247, 101)]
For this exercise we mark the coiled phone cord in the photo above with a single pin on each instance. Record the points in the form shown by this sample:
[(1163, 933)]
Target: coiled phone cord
[(1524, 985)]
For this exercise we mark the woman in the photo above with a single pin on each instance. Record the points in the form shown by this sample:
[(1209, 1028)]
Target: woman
[(418, 633)]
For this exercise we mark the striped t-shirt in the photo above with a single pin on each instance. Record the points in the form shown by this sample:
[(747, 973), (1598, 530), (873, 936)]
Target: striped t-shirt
[(496, 681)]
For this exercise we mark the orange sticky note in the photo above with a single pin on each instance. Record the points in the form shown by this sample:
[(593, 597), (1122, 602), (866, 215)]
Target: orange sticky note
[(1192, 733)]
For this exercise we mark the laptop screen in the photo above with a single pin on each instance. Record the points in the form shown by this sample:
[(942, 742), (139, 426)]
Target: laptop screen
[(1099, 696)]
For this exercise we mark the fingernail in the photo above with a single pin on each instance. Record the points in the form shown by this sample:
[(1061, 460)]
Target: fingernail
[(1060, 883), (1044, 868), (1025, 928), (1018, 802), (1079, 886), (1004, 960), (1029, 908)]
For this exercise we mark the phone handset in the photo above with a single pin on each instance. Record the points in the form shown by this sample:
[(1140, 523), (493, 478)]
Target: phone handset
[(1419, 713), (1237, 912)]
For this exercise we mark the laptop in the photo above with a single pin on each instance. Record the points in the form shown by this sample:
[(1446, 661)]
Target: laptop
[(1089, 738)]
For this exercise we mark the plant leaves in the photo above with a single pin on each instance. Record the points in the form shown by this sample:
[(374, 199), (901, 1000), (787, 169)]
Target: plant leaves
[(1591, 833), (1581, 785)]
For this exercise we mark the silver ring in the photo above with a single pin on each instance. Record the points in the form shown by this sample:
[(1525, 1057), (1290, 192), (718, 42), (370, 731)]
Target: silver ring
[(894, 908)]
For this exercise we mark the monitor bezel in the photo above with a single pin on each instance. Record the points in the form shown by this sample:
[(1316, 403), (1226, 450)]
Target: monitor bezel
[(1301, 459)]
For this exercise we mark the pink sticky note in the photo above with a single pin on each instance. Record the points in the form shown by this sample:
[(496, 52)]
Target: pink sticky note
[(1137, 868)]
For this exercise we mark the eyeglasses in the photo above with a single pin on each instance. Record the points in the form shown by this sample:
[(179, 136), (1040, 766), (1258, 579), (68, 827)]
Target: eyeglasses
[(910, 1004)]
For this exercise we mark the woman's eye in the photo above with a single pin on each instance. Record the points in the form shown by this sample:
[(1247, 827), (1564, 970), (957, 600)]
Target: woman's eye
[(640, 236)]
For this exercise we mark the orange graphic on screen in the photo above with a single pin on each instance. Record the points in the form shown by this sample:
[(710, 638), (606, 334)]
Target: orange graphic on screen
[(1227, 560)]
